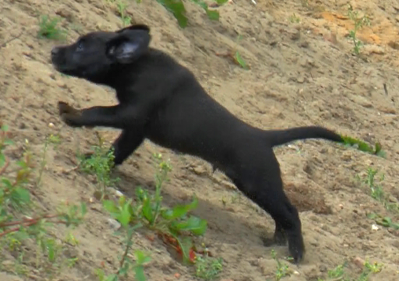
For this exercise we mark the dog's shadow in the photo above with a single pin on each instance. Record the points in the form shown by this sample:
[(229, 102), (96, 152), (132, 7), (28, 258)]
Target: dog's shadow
[(223, 225)]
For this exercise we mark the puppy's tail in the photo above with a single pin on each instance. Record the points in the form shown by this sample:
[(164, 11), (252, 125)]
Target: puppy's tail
[(279, 137)]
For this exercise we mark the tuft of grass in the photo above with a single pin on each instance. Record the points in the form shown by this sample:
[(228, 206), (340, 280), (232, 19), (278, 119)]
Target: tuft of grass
[(100, 164), (383, 221), (339, 273), (234, 56), (48, 28), (359, 23), (126, 20), (282, 270), (121, 6), (208, 268), (377, 191), (240, 61), (294, 18)]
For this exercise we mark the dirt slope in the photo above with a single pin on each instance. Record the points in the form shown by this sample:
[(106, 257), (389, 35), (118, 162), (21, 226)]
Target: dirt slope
[(302, 73)]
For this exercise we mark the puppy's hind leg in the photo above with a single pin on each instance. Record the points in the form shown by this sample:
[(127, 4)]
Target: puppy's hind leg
[(263, 185)]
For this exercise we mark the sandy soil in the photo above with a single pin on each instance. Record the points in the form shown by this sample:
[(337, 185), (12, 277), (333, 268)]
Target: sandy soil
[(302, 73)]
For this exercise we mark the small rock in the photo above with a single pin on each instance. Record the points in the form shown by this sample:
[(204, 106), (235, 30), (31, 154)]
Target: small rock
[(323, 268), (114, 224), (199, 170), (358, 262), (387, 109), (8, 277), (7, 263), (373, 49), (361, 100), (393, 44), (65, 13)]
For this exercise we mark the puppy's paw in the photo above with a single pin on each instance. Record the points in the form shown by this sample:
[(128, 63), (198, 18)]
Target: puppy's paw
[(64, 108), (68, 114), (296, 248), (70, 120)]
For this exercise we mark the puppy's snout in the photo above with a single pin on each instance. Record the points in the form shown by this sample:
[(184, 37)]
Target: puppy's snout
[(55, 51)]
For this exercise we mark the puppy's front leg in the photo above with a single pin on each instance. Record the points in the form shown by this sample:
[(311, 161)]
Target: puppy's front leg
[(104, 116), (127, 142)]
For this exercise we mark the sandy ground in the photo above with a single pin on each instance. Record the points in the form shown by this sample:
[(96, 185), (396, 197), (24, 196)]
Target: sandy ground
[(302, 73)]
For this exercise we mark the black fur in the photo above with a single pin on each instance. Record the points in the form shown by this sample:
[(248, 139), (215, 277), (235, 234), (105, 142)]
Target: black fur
[(162, 101)]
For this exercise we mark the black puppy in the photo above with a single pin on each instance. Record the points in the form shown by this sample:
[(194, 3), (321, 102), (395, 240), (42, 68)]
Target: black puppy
[(162, 101)]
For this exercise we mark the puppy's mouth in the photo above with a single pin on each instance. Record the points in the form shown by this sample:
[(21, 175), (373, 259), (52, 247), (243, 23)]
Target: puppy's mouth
[(62, 68)]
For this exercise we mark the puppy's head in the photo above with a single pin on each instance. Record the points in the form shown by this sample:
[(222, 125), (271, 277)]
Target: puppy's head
[(95, 54)]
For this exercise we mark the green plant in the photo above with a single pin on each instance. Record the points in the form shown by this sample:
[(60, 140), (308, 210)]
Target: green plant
[(359, 23), (173, 225), (383, 221), (368, 270), (177, 8), (337, 272), (282, 270), (20, 223), (126, 20), (126, 264), (208, 268), (240, 61), (294, 18), (167, 222), (100, 163), (48, 28), (375, 189)]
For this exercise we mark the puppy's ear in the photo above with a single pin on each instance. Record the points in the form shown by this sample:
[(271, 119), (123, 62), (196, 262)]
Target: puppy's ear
[(135, 27), (128, 45)]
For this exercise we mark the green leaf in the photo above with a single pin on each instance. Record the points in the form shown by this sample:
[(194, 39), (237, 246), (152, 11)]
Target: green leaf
[(7, 183), (112, 277), (8, 142), (179, 211), (202, 4), (213, 15), (20, 195), (139, 273), (195, 225), (22, 164), (83, 208), (147, 210), (185, 245), (241, 61), (2, 159), (176, 7), (221, 2), (4, 128), (124, 216), (110, 207), (124, 269), (141, 257), (372, 215), (50, 252)]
